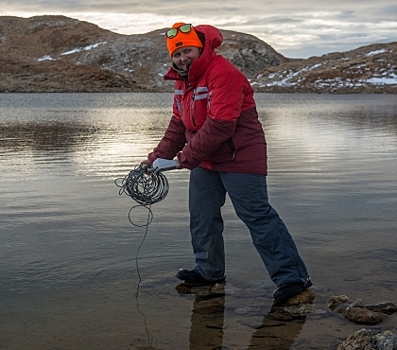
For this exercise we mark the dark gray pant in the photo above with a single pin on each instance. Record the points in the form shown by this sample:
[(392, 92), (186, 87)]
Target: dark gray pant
[(248, 193)]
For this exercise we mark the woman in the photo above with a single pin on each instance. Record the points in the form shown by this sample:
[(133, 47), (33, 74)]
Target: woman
[(215, 132)]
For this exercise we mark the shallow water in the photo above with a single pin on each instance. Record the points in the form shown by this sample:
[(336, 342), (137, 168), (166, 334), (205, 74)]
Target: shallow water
[(68, 267)]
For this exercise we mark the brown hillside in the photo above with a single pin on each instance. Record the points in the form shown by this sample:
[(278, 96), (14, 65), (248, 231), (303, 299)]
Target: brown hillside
[(61, 54)]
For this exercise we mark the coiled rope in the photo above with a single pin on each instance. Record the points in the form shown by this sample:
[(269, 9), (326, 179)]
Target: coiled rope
[(143, 186), (146, 188)]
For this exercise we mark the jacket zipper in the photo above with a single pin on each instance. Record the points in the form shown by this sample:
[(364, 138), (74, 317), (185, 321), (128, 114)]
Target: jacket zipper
[(192, 110)]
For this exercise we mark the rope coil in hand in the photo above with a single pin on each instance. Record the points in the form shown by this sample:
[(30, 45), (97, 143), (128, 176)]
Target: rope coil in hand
[(146, 188)]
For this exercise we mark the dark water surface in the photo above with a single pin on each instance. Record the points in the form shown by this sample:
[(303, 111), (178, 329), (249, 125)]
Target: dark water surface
[(68, 276)]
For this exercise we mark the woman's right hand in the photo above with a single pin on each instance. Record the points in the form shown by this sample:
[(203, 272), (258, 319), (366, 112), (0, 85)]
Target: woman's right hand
[(146, 163)]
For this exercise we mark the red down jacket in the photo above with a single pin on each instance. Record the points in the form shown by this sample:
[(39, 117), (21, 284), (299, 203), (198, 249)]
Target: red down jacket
[(214, 123)]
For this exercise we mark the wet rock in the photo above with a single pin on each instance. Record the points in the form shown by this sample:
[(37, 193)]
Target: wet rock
[(365, 339), (334, 301), (361, 315), (208, 290), (357, 303), (301, 310), (386, 308), (297, 306), (285, 314), (305, 297)]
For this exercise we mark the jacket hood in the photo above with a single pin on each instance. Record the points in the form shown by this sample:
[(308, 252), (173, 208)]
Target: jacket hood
[(211, 38)]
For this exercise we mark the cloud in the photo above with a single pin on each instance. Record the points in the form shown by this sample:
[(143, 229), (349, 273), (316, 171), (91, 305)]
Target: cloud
[(295, 29)]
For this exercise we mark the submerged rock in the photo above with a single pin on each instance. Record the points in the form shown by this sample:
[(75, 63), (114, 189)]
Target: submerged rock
[(297, 306), (361, 315), (386, 308), (206, 290), (337, 300), (370, 340)]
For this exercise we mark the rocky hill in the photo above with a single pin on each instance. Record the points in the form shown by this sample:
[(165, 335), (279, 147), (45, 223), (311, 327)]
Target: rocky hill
[(61, 54), (368, 69)]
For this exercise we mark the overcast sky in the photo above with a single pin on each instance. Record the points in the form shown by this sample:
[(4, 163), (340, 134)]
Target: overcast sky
[(296, 29)]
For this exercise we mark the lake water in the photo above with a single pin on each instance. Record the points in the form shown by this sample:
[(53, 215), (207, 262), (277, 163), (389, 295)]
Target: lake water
[(68, 253)]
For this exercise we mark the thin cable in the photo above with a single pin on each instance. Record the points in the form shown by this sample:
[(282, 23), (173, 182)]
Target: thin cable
[(145, 188), (149, 219)]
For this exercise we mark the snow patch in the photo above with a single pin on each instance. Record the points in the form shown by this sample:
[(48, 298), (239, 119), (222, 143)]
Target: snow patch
[(385, 80), (375, 52), (85, 48), (45, 58)]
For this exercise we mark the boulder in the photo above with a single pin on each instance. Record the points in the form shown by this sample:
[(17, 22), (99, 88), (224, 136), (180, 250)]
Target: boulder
[(365, 339)]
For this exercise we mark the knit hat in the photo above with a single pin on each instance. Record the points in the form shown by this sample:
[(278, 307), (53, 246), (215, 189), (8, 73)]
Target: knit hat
[(182, 39)]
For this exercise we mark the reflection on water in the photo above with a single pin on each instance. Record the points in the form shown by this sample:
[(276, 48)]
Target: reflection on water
[(207, 321), (68, 270), (277, 330)]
